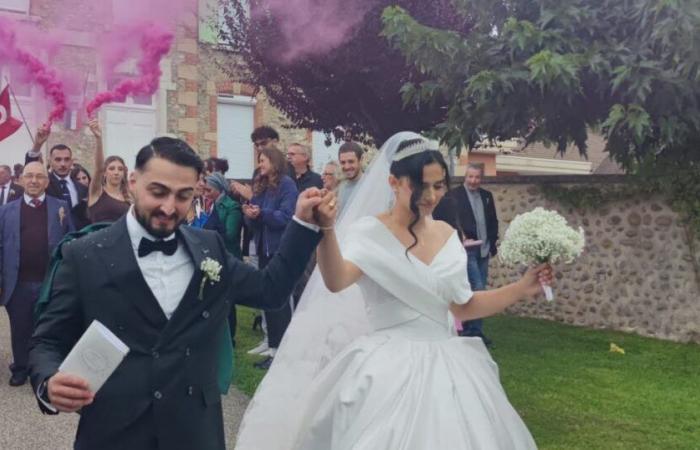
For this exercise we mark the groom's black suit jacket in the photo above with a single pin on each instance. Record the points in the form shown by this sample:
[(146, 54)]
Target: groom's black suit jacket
[(164, 395)]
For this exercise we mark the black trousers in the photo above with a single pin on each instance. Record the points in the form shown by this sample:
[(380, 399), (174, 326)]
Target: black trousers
[(20, 309), (277, 321)]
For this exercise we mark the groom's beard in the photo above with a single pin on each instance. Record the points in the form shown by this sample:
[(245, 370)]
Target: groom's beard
[(145, 218)]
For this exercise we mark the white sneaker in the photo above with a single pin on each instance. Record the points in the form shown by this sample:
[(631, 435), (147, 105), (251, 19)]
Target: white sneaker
[(269, 352), (260, 348)]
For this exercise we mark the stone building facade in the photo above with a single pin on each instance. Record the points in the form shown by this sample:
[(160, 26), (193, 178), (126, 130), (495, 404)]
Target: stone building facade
[(639, 271)]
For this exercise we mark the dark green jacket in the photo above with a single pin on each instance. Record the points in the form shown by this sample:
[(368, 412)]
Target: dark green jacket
[(231, 218), (227, 220)]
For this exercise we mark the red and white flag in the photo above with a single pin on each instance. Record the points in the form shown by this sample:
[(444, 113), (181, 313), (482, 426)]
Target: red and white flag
[(8, 124)]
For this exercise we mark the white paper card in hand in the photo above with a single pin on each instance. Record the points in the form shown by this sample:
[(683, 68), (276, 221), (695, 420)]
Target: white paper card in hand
[(95, 356)]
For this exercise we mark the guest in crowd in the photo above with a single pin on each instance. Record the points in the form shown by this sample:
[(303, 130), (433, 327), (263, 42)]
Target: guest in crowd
[(81, 175), (30, 229), (331, 176), (199, 212), (17, 169), (226, 218), (299, 158), (350, 157), (226, 215), (471, 210), (268, 214), (61, 184), (109, 197), (213, 165), (9, 190), (261, 137)]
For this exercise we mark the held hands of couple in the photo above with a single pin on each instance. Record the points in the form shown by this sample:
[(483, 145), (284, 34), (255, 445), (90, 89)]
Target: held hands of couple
[(69, 393), (317, 206), (531, 283)]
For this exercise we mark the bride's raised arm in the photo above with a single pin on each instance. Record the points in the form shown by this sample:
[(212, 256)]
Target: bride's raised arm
[(337, 273)]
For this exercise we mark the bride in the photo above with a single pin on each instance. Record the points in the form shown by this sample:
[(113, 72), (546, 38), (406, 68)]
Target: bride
[(371, 360)]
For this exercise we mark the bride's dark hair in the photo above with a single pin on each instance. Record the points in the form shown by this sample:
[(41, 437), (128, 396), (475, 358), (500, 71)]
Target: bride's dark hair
[(412, 167)]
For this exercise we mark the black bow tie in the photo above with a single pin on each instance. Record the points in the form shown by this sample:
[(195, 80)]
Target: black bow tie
[(147, 246)]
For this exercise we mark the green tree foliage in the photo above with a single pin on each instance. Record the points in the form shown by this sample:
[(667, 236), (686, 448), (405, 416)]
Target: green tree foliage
[(551, 70)]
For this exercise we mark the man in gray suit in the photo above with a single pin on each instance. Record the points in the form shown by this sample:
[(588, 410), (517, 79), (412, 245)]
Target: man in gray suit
[(30, 229)]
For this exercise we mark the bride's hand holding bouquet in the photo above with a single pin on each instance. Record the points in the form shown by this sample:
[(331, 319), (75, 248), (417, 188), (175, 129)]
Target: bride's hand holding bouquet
[(540, 237)]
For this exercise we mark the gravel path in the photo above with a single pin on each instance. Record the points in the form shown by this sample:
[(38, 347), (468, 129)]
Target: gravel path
[(23, 427)]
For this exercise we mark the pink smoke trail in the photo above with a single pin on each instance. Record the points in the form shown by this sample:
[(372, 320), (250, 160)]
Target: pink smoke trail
[(312, 27), (36, 71), (155, 43)]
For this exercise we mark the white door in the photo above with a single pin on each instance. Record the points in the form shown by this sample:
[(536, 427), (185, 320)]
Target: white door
[(127, 129), (235, 123)]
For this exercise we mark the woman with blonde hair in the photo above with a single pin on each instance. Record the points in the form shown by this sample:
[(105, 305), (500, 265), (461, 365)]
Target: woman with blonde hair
[(108, 196)]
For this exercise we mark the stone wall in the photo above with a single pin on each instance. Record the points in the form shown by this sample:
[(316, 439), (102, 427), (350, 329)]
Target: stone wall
[(637, 274)]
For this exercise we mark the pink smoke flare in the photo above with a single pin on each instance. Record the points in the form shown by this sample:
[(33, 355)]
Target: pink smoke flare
[(36, 71), (155, 43)]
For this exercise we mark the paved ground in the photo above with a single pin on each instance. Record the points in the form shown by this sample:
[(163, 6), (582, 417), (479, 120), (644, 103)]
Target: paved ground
[(23, 427)]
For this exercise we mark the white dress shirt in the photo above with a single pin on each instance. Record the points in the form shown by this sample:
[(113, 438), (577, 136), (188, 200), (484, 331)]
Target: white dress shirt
[(28, 199), (167, 276), (71, 189)]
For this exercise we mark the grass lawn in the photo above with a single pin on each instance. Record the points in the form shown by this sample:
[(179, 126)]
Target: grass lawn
[(570, 390)]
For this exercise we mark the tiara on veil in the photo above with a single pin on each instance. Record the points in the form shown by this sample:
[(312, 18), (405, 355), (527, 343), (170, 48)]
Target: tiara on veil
[(414, 149)]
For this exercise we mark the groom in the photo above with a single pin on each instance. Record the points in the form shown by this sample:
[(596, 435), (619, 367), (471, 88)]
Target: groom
[(142, 279)]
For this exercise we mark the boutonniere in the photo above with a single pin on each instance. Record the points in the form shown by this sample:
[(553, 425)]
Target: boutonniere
[(61, 215), (212, 273), (11, 193)]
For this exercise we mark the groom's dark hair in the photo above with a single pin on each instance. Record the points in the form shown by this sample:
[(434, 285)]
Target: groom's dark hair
[(174, 150)]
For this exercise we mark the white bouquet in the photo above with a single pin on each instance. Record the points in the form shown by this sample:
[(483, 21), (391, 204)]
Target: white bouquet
[(541, 236)]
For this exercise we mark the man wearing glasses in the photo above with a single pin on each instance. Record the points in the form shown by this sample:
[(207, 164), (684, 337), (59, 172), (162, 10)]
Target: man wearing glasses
[(299, 159), (30, 229)]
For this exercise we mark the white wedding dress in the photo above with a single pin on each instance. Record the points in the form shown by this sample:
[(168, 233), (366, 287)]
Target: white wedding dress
[(379, 367)]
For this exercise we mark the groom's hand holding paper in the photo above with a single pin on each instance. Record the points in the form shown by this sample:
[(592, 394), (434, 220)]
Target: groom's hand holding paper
[(69, 393), (93, 359)]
